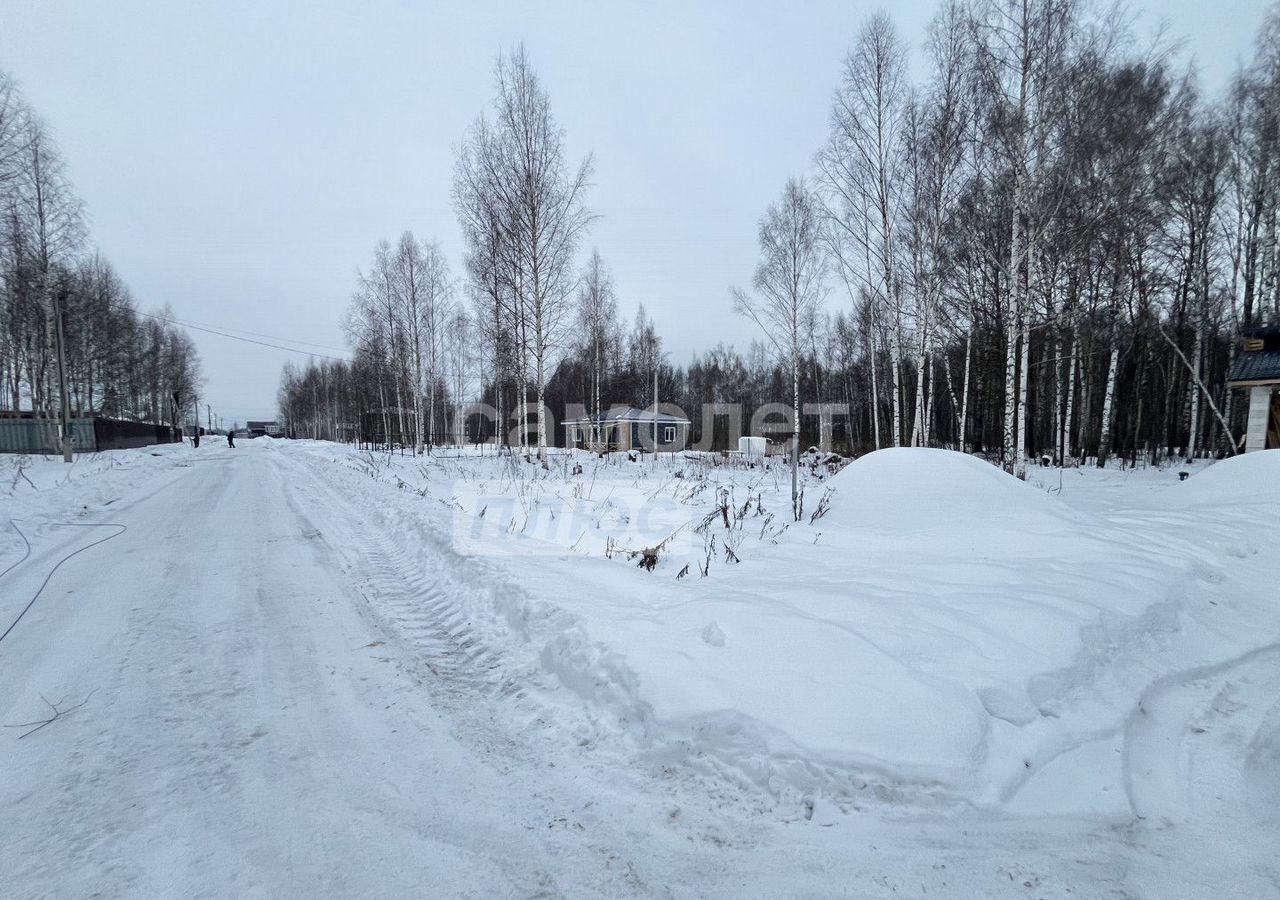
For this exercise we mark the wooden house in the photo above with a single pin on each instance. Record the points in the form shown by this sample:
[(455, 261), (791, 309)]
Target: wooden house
[(264, 429), (1257, 370)]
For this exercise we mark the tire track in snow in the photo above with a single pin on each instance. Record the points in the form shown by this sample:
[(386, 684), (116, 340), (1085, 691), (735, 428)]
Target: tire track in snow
[(1205, 742), (540, 648), (427, 599), (469, 632), (422, 606)]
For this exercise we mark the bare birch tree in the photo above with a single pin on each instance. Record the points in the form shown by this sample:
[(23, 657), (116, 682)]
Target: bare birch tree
[(937, 134), (789, 286), (598, 325), (519, 172), (861, 178), (478, 201), (1020, 48)]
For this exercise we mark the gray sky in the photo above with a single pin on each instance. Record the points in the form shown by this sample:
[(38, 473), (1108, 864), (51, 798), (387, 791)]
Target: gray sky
[(240, 160)]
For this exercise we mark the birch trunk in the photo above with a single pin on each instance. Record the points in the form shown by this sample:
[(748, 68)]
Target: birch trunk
[(1108, 403), (1017, 254), (955, 405), (795, 427), (932, 383), (1059, 364), (895, 353), (1023, 426), (417, 400), (1193, 396), (875, 392), (1067, 419), (964, 394), (1009, 447), (917, 419)]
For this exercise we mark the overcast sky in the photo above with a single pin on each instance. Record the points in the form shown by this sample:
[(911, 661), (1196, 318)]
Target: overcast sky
[(240, 160)]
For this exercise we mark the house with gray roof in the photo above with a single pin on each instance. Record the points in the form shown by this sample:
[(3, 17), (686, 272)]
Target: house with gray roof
[(1257, 370), (627, 428)]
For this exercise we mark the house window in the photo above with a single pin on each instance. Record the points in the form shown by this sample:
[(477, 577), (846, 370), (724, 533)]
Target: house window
[(669, 434)]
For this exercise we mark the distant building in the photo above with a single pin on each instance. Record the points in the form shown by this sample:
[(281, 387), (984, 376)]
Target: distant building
[(263, 429), (1257, 370), (627, 428)]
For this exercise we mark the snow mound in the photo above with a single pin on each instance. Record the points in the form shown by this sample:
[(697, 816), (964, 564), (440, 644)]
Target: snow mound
[(917, 489), (1250, 478), (943, 633)]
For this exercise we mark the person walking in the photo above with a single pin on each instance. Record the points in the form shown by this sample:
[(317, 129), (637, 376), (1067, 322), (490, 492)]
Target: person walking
[(231, 439)]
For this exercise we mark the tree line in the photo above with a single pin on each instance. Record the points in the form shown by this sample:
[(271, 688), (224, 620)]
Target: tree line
[(1045, 247), (118, 361)]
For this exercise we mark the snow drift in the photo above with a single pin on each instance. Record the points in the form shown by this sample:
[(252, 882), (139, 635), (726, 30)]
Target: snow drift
[(955, 631), (1249, 478), (924, 491), (944, 633)]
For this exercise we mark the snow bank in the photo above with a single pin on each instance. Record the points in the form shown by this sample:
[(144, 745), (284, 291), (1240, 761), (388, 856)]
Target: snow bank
[(37, 491), (1248, 478), (916, 489), (944, 632)]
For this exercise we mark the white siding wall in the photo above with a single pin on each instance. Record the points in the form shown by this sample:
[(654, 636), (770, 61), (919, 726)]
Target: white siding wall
[(1259, 414)]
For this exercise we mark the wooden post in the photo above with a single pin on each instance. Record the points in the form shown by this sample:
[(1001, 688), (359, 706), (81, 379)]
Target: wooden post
[(655, 412)]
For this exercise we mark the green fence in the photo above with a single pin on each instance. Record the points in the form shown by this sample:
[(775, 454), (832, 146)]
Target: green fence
[(39, 436)]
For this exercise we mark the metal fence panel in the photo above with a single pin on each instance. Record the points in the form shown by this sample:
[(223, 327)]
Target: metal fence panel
[(40, 436), (116, 434)]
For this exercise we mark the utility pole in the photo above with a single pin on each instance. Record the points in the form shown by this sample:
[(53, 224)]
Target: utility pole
[(655, 412), (62, 378), (208, 410), (195, 419)]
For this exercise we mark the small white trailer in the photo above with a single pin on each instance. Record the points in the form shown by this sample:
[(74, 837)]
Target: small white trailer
[(753, 447)]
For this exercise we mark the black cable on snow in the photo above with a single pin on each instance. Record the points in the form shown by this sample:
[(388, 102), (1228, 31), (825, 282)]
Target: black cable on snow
[(45, 583), (24, 556)]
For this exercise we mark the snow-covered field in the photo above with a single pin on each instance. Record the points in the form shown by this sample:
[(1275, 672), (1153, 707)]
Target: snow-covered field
[(640, 677)]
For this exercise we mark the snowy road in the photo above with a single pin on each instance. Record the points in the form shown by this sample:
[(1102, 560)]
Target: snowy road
[(283, 697), (242, 735)]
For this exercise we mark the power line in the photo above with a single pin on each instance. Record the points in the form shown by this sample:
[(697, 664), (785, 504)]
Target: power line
[(258, 334), (234, 337)]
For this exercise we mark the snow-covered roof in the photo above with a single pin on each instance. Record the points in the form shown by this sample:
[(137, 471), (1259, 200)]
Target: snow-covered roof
[(627, 414)]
